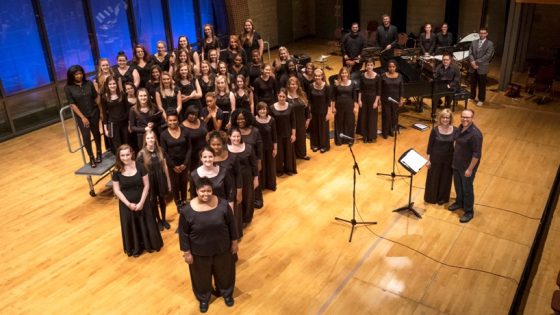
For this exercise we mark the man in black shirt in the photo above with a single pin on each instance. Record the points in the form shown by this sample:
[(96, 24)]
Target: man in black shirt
[(352, 46), (466, 158), (386, 33)]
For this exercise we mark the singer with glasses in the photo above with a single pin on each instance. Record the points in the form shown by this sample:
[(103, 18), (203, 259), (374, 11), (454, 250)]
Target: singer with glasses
[(391, 99)]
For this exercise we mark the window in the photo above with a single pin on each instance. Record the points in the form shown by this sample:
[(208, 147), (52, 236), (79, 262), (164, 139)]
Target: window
[(22, 62), (67, 34), (149, 22), (111, 28)]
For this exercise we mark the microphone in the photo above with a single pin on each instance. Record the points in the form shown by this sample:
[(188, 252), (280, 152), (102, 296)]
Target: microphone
[(390, 99), (343, 136)]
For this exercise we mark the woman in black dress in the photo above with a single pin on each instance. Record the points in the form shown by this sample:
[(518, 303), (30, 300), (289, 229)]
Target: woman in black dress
[(246, 155), (162, 57), (298, 99), (211, 41), (368, 100), (440, 158), (251, 39), (320, 101), (196, 129), (142, 117), (189, 88), (243, 120), (168, 96), (391, 99), (152, 159), (265, 87), (267, 129), (225, 100), (115, 112), (131, 185), (243, 95), (143, 63), (176, 145), (81, 96), (285, 118), (208, 240), (124, 72), (206, 81), (212, 115), (344, 105)]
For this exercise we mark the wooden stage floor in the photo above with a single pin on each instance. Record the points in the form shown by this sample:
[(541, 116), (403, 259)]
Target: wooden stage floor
[(62, 251)]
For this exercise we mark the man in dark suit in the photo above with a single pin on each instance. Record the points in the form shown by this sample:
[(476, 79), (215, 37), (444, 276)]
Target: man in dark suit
[(480, 55), (386, 33)]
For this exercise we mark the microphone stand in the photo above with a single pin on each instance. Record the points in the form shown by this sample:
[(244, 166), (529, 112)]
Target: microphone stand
[(353, 220), (392, 174)]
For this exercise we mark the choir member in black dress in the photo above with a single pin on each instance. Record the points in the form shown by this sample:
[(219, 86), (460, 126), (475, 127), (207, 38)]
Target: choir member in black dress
[(212, 115), (265, 87), (194, 58), (247, 158), (368, 100), (81, 96), (254, 67), (243, 94), (427, 40), (320, 101), (206, 81), (444, 38), (279, 63), (225, 100), (142, 116), (251, 39), (352, 45), (267, 129), (243, 120), (440, 158), (208, 240), (131, 185), (234, 48), (104, 70), (391, 99), (143, 63), (238, 67), (154, 83), (285, 118), (162, 57), (115, 112), (125, 72), (190, 89), (176, 145), (152, 159), (298, 99), (211, 41), (344, 105), (168, 96), (196, 129)]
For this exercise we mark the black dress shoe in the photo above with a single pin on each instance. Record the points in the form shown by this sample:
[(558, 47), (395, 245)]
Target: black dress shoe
[(229, 300), (454, 206), (466, 217), (203, 307)]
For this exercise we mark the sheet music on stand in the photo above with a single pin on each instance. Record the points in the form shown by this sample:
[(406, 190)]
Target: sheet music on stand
[(412, 161)]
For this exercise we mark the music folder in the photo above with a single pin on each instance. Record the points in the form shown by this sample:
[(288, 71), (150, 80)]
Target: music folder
[(412, 161)]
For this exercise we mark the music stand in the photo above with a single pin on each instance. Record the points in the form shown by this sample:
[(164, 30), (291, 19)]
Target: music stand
[(353, 220), (412, 161)]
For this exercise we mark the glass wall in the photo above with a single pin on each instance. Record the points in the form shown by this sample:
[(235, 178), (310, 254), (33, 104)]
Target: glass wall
[(111, 28), (148, 16), (22, 61), (67, 34), (182, 20)]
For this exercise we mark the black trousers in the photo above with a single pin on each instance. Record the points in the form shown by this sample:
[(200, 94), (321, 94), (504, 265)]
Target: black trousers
[(480, 80), (464, 189), (88, 132), (389, 117), (203, 268), (344, 122), (179, 182)]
